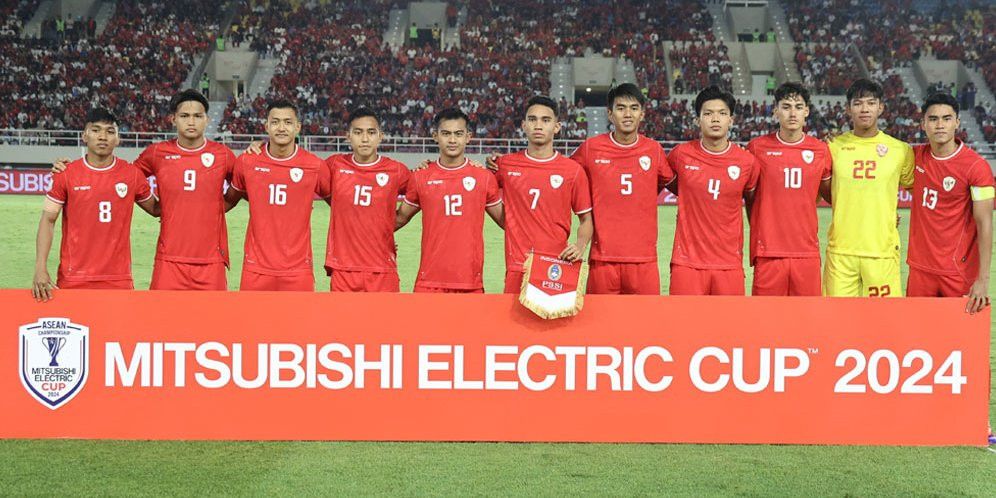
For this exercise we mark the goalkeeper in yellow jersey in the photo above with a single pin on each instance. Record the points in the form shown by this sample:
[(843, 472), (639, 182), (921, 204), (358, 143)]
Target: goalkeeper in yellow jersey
[(868, 169)]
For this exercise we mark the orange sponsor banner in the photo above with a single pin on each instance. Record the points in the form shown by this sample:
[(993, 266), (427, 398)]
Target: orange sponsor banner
[(321, 366)]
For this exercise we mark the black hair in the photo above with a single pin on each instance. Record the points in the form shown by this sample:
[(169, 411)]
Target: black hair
[(543, 101), (188, 95), (281, 104), (449, 114), (363, 112), (714, 92), (791, 89), (864, 87), (939, 98), (101, 115), (625, 90)]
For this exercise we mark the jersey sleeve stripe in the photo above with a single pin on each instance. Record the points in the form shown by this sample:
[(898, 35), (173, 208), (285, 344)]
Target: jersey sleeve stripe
[(410, 203), (232, 185), (147, 197), (495, 203), (583, 211), (53, 199)]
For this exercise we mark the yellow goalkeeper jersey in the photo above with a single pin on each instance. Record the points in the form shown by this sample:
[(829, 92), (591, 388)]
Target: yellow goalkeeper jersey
[(867, 174)]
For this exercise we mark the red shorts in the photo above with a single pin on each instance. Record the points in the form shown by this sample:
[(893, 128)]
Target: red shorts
[(606, 277), (513, 282), (96, 284), (787, 277), (926, 284), (364, 281), (444, 290), (252, 281), (170, 275), (687, 281)]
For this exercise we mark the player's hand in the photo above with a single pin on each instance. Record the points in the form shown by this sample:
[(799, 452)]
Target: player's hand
[(571, 253), (255, 147), (60, 165), (978, 297), (492, 162), (42, 288), (477, 164), (422, 165), (831, 135)]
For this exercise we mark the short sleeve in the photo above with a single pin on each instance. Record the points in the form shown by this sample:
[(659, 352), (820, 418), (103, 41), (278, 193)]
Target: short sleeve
[(230, 161), (493, 193), (498, 174), (141, 187), (906, 172), (827, 172), (146, 163), (581, 194), (980, 175), (403, 178), (412, 195), (753, 175), (238, 174), (665, 174), (59, 191), (672, 160), (323, 188), (579, 155)]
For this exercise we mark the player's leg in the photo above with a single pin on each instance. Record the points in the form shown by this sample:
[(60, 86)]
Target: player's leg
[(804, 277), (922, 284), (304, 282), (686, 281), (640, 278), (726, 282), (513, 282), (842, 276), (771, 277), (252, 281), (603, 278), (880, 277)]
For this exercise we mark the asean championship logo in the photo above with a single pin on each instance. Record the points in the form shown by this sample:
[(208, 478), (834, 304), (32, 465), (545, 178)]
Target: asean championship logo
[(53, 359)]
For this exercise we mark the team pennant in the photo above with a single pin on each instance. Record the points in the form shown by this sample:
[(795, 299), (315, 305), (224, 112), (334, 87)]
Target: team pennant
[(552, 287)]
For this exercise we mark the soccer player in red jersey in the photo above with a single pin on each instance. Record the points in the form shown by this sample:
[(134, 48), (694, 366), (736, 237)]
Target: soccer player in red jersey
[(951, 232), (280, 185), (793, 169), (453, 196), (361, 255), (713, 177), (627, 171), (190, 174), (540, 189), (95, 195)]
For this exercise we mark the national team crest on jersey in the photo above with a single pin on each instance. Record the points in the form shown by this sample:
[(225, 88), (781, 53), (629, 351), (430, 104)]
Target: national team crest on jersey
[(556, 181), (645, 163), (382, 179), (121, 189), (53, 359), (882, 150), (207, 159), (296, 174), (948, 183), (733, 171), (469, 183), (808, 156)]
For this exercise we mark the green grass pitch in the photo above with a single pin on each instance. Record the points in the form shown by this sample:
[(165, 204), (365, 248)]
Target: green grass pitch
[(309, 468)]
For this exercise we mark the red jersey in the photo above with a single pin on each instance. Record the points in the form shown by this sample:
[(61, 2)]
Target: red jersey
[(364, 207), (96, 219), (539, 195), (281, 193), (452, 201), (190, 184), (943, 237), (710, 231), (783, 220), (624, 185)]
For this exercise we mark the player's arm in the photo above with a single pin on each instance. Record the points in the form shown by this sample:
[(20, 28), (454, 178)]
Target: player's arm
[(575, 251), (825, 190), (406, 211), (982, 211), (60, 165), (151, 206), (497, 213), (42, 285), (749, 202), (232, 197)]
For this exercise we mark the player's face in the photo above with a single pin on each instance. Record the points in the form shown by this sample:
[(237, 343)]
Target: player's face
[(282, 126), (452, 136), (540, 125), (715, 119), (626, 114), (940, 123), (864, 112), (101, 138), (190, 120), (364, 136), (791, 113)]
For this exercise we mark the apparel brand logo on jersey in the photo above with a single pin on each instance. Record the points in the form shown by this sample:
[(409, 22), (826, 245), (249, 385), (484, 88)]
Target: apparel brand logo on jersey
[(645, 163), (171, 157), (53, 359), (692, 167), (121, 188), (82, 187), (920, 170), (469, 183), (207, 159), (556, 181), (347, 171), (733, 171), (603, 161), (296, 174), (382, 179), (882, 150), (514, 173), (554, 272), (264, 170), (949, 183), (775, 153), (808, 156)]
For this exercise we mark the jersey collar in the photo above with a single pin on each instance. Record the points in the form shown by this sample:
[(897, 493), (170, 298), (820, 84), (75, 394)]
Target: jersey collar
[(729, 145), (266, 149), (949, 156), (365, 165), (533, 159), (466, 161), (106, 168), (624, 146)]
